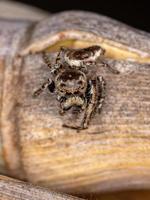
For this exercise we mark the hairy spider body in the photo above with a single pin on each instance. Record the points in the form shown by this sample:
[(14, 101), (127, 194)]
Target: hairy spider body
[(83, 57), (72, 101), (71, 81), (71, 84)]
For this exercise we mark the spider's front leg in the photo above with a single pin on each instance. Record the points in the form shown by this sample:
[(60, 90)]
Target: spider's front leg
[(49, 83), (95, 99), (60, 55), (57, 63), (91, 96), (64, 105), (62, 108), (46, 60)]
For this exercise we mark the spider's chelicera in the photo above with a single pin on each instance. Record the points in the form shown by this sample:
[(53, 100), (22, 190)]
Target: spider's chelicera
[(71, 84)]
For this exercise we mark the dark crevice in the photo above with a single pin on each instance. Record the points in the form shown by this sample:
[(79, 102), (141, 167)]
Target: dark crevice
[(134, 13)]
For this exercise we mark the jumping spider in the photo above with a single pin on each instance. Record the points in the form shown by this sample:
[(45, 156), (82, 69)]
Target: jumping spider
[(71, 83)]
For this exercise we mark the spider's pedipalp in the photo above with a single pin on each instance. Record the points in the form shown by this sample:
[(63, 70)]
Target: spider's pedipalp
[(47, 83), (46, 60)]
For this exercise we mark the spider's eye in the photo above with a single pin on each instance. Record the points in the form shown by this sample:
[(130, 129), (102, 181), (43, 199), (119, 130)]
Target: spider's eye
[(61, 91), (62, 84), (80, 82)]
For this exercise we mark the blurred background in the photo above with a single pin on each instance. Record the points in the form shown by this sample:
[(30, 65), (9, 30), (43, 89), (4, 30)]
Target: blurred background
[(133, 12)]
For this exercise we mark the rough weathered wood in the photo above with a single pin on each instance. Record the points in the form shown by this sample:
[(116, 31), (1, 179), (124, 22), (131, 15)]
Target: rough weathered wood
[(113, 153), (20, 11), (86, 28), (17, 190)]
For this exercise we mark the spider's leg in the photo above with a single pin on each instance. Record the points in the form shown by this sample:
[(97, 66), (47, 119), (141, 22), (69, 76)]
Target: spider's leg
[(43, 87), (91, 103), (101, 92), (51, 87), (62, 101), (84, 67), (110, 68), (58, 57), (46, 60), (60, 54), (61, 111), (86, 64), (64, 106)]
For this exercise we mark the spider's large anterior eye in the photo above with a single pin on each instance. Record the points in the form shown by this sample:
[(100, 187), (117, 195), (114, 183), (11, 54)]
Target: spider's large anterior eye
[(62, 84), (80, 82)]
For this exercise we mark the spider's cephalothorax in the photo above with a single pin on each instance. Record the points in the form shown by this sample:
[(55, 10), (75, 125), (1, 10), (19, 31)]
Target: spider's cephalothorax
[(71, 84)]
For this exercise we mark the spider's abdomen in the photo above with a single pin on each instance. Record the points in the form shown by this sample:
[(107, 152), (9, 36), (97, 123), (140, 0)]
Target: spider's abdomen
[(89, 54)]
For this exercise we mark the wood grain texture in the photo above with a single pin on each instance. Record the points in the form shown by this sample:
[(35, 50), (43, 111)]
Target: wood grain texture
[(113, 153), (17, 190)]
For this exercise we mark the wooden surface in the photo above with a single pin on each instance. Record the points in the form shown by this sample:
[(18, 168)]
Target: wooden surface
[(11, 189), (18, 190), (113, 153), (20, 11)]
